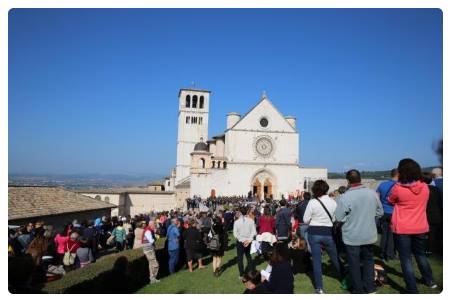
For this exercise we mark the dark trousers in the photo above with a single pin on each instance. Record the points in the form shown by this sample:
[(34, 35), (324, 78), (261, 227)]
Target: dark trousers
[(408, 244), (120, 246), (435, 239), (387, 238), (361, 268), (241, 250)]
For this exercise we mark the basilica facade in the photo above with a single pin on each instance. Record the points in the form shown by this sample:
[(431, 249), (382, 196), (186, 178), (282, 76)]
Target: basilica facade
[(258, 152)]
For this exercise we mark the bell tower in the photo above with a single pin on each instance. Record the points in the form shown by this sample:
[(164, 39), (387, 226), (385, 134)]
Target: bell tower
[(193, 112)]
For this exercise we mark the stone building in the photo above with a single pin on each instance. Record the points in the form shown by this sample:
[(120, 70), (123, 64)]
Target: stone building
[(52, 205), (133, 201), (258, 153)]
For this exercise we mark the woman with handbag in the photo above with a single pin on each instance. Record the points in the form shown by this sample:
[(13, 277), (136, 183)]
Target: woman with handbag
[(70, 253), (217, 252), (60, 242), (193, 244), (319, 215)]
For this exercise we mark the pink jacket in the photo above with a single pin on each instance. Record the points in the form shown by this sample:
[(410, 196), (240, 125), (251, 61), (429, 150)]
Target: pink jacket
[(61, 242), (410, 208)]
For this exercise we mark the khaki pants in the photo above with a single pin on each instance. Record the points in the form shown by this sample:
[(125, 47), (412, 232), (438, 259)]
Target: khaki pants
[(153, 265)]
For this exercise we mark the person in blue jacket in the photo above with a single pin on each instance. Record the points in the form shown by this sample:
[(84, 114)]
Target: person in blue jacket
[(173, 238)]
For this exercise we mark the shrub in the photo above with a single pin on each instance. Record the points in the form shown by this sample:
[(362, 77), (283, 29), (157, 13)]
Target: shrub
[(89, 279)]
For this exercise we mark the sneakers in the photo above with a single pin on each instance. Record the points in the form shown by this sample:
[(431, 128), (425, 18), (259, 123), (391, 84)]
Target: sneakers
[(319, 291), (154, 281), (431, 285)]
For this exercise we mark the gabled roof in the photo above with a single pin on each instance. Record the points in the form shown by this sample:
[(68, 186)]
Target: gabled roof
[(264, 98), (27, 202)]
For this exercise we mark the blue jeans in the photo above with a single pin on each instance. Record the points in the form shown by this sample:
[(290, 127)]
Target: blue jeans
[(416, 244), (173, 259), (304, 234), (316, 241), (361, 268)]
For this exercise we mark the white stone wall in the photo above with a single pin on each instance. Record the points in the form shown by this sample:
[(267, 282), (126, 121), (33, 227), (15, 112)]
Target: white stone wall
[(181, 195), (144, 203), (116, 199), (237, 179), (213, 149), (169, 184), (220, 148), (240, 147), (132, 204)]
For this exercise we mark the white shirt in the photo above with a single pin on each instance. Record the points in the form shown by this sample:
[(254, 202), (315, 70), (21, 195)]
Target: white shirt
[(316, 215), (149, 237), (244, 229)]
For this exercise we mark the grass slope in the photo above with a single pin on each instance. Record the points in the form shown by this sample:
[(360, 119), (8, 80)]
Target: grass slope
[(201, 281)]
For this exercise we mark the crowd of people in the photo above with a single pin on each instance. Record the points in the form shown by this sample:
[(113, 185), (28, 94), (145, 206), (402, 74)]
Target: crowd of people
[(288, 234)]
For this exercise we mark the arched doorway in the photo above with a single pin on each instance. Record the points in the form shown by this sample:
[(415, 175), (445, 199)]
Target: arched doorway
[(268, 191), (256, 188), (263, 184)]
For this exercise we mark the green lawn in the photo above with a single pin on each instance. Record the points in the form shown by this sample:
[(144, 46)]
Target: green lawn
[(201, 281)]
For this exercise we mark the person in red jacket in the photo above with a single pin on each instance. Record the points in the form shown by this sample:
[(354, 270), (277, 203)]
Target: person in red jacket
[(266, 222), (409, 223)]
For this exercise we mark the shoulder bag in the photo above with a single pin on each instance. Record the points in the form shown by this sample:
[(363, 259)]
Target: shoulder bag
[(336, 229)]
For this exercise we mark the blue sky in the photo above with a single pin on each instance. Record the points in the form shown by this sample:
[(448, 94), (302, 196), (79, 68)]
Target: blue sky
[(96, 90)]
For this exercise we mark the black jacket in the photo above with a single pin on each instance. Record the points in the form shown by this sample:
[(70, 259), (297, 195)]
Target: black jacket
[(434, 206), (281, 279)]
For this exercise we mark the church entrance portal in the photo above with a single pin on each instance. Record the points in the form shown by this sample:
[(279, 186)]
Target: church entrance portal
[(268, 189), (256, 188), (263, 186)]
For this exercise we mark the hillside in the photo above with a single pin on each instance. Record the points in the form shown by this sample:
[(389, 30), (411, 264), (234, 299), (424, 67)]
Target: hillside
[(377, 175)]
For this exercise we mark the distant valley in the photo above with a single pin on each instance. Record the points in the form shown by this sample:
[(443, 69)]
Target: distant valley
[(83, 181)]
